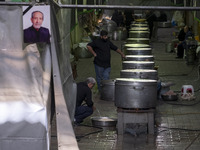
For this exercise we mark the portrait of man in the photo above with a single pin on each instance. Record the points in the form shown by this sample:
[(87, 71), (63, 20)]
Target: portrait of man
[(36, 32)]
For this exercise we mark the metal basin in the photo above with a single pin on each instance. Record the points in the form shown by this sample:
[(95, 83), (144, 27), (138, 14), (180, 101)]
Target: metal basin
[(103, 121), (137, 65), (138, 34), (139, 73), (135, 93), (138, 51), (137, 41), (139, 57)]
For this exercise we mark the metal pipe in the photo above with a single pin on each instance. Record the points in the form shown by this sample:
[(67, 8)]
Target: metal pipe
[(17, 3), (131, 7), (111, 6)]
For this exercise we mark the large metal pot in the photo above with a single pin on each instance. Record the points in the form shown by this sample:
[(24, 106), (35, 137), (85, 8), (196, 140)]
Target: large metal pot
[(139, 73), (138, 51), (138, 34), (107, 90), (135, 93), (137, 41), (120, 34), (137, 65), (136, 46), (139, 29), (139, 25), (139, 57)]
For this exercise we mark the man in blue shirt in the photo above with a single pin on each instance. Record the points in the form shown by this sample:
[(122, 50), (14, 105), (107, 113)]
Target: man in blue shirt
[(36, 33)]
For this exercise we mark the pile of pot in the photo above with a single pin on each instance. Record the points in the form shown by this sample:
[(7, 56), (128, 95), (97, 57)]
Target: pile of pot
[(137, 86)]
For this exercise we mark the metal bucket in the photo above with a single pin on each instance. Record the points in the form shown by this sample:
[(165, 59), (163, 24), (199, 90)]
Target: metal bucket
[(137, 41), (138, 51), (139, 73), (107, 90), (190, 56), (135, 93), (139, 57), (137, 65)]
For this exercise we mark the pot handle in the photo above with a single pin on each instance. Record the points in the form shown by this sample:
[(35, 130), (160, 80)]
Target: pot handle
[(138, 87)]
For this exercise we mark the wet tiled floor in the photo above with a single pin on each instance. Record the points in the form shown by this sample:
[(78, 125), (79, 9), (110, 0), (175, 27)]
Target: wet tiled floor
[(177, 123)]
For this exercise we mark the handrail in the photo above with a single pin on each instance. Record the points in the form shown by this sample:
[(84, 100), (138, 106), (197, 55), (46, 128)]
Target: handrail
[(65, 134)]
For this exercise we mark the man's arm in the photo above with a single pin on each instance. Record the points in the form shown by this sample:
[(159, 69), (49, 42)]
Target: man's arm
[(91, 50), (120, 52)]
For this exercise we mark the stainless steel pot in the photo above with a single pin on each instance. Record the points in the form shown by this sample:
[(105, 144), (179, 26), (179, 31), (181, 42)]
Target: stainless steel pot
[(139, 25), (138, 34), (138, 51), (103, 121), (108, 90), (139, 73), (139, 57), (136, 46), (137, 65), (139, 29), (135, 93), (137, 41), (119, 35)]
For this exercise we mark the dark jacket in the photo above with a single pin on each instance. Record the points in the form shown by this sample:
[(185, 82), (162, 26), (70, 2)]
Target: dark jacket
[(31, 35), (102, 49), (181, 35), (84, 93)]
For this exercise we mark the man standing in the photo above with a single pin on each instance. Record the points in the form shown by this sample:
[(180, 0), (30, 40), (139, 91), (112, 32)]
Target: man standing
[(84, 94), (36, 33), (100, 48)]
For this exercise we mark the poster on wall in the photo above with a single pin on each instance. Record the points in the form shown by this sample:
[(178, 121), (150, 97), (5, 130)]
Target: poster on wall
[(36, 24)]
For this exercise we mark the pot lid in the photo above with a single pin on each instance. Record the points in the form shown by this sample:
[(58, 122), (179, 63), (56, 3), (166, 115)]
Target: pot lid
[(139, 48), (139, 24), (138, 70), (139, 28), (138, 31), (134, 80), (139, 56), (139, 62), (136, 45)]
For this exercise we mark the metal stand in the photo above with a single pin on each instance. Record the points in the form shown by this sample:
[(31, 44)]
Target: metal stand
[(135, 116)]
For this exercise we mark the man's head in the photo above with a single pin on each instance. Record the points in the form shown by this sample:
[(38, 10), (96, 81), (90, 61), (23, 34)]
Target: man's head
[(186, 29), (37, 18), (104, 35), (90, 82)]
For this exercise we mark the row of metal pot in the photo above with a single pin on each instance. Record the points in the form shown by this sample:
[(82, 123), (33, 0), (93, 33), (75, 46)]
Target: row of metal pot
[(137, 85)]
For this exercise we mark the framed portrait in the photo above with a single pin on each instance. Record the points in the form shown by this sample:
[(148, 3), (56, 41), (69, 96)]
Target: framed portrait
[(36, 24)]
